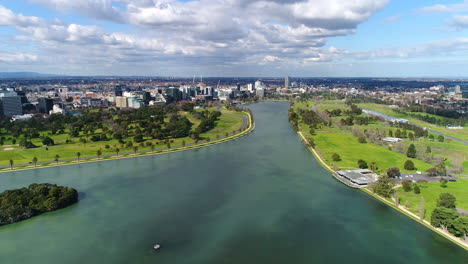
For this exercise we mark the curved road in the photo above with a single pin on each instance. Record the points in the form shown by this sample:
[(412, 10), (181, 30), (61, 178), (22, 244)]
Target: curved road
[(388, 117)]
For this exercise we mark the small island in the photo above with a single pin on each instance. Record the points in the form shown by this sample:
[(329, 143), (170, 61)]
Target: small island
[(21, 204)]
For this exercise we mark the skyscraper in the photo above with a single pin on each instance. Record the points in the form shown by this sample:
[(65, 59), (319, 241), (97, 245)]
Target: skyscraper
[(287, 81)]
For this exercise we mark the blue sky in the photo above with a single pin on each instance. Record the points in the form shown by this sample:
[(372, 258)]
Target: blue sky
[(310, 38)]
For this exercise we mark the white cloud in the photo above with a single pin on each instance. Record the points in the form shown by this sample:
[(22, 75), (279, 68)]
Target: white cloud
[(458, 22), (440, 8), (218, 32), (8, 57)]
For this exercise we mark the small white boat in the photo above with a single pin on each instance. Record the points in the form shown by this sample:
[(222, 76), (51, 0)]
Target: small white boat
[(157, 246)]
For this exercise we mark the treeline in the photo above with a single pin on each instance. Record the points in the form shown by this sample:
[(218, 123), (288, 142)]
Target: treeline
[(20, 204)]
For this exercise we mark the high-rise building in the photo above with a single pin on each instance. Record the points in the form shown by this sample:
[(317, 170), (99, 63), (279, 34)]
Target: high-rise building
[(287, 81), (10, 103), (118, 90), (238, 86), (45, 105)]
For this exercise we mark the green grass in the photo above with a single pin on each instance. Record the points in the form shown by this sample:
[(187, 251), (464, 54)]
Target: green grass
[(350, 151), (459, 133), (226, 124), (431, 192)]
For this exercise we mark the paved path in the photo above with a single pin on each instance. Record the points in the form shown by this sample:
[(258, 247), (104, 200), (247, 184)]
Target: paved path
[(245, 123)]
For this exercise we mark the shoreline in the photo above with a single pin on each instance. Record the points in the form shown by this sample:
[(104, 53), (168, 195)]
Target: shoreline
[(400, 208), (250, 127)]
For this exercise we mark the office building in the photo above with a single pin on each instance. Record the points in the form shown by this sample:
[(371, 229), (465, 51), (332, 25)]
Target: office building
[(10, 103), (45, 105)]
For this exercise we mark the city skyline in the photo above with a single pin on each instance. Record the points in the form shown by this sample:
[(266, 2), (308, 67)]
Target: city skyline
[(235, 38)]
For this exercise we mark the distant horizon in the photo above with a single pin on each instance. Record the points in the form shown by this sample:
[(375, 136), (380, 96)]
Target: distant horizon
[(197, 78)]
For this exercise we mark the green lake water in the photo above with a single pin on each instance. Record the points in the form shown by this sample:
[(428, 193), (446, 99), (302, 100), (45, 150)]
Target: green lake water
[(261, 198)]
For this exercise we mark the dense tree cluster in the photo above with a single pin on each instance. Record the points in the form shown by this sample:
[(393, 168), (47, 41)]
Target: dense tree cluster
[(24, 203), (157, 122), (445, 216)]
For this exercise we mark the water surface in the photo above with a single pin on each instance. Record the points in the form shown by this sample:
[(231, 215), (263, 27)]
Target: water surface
[(259, 199)]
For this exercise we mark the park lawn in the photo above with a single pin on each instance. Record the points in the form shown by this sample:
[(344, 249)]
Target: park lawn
[(454, 151), (458, 133), (226, 124), (431, 191), (350, 150)]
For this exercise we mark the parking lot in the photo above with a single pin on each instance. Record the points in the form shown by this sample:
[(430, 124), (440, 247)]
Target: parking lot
[(414, 177)]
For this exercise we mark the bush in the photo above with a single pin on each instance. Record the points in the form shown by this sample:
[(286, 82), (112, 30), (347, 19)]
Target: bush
[(336, 157), (362, 164), (362, 140), (409, 165), (416, 189)]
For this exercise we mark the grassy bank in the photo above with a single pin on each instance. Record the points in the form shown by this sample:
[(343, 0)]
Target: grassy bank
[(227, 123), (239, 133)]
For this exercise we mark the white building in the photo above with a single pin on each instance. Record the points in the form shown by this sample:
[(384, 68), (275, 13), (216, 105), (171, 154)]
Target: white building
[(56, 110)]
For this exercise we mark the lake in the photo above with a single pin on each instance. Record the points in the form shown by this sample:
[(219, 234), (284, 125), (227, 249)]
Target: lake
[(261, 198)]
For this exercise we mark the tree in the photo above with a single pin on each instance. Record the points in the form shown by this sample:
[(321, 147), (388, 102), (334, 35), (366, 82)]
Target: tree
[(406, 185), (440, 138), (78, 155), (152, 147), (47, 141), (11, 163), (443, 182), (459, 227), (393, 172), (117, 150), (432, 171), (362, 164), (135, 149), (312, 131), (446, 200), (99, 153), (396, 198), (57, 157), (409, 165), (422, 209), (416, 189), (336, 157), (383, 186), (428, 150), (34, 160), (362, 139), (411, 153), (183, 143), (443, 217), (407, 204)]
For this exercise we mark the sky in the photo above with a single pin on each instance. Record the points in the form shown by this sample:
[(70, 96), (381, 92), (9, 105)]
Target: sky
[(236, 38)]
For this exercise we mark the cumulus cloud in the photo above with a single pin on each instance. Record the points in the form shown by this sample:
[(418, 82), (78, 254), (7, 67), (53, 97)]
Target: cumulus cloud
[(100, 9), (220, 32)]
